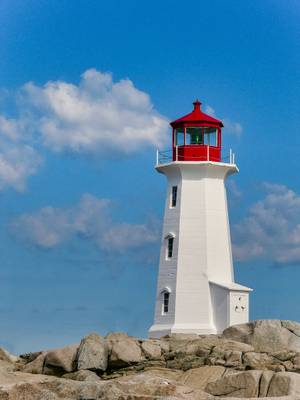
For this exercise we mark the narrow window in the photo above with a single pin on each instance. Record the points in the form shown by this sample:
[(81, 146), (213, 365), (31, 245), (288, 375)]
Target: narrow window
[(170, 247), (166, 302), (174, 196)]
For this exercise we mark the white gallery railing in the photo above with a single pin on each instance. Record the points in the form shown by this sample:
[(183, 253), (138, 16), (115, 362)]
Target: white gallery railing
[(165, 157)]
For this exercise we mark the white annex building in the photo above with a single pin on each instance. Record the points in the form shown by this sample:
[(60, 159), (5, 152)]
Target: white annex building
[(196, 292)]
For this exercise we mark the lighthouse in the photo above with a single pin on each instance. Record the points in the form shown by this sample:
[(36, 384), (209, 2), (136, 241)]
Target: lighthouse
[(196, 291)]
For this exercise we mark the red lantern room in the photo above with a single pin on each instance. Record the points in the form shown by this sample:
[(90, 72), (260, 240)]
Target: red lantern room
[(197, 137)]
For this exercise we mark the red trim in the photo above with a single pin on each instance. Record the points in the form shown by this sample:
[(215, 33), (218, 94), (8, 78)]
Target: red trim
[(197, 153), (196, 117), (188, 152)]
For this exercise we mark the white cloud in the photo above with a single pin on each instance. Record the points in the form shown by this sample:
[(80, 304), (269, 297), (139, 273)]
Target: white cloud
[(9, 128), (233, 189), (271, 231), (95, 116), (210, 111), (231, 127), (18, 160), (124, 236), (89, 219), (16, 164)]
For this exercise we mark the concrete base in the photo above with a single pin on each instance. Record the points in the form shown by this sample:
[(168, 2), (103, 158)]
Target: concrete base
[(158, 331)]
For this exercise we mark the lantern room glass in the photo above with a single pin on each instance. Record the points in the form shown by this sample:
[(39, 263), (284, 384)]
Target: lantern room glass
[(196, 136), (179, 139), (210, 136)]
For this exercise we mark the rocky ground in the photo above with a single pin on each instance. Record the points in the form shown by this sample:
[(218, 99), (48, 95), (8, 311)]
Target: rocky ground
[(256, 360)]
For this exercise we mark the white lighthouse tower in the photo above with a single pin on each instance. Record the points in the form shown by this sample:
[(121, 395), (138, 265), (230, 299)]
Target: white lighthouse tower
[(196, 292)]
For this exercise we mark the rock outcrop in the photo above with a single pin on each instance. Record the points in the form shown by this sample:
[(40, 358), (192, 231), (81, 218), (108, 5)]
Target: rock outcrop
[(267, 335), (123, 350), (260, 359), (243, 384), (59, 361), (93, 353)]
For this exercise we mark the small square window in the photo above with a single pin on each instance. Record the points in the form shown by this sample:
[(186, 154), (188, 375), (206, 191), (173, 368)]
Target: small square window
[(174, 196)]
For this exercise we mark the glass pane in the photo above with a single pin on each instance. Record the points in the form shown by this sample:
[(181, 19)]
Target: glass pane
[(210, 136), (194, 135), (179, 138), (174, 196), (166, 302), (170, 247)]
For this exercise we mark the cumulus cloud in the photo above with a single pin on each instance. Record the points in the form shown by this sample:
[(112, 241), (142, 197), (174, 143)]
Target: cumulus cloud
[(233, 189), (232, 127), (97, 115), (271, 230), (18, 160), (90, 219)]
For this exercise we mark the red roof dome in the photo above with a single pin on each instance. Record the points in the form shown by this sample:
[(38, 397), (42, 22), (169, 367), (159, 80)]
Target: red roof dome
[(196, 117)]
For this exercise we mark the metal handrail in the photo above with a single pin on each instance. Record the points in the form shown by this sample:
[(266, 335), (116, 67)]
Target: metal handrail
[(166, 156)]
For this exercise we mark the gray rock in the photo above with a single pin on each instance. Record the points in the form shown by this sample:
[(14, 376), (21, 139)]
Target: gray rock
[(198, 378), (296, 361), (183, 348), (226, 344), (152, 386), (241, 333), (267, 335), (259, 361), (164, 345), (285, 383), (205, 346), (184, 336), (148, 385), (92, 353), (284, 355), (83, 375), (233, 358), (151, 349), (190, 362), (288, 365), (185, 361), (6, 367), (215, 361), (242, 384), (59, 361), (37, 365), (29, 357), (265, 380), (124, 350), (6, 356), (292, 326)]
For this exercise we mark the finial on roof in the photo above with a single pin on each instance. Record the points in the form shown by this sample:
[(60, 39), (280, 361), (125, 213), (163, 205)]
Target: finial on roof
[(197, 104)]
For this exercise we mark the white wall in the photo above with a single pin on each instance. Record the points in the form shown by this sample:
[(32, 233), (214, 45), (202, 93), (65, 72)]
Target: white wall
[(220, 301), (202, 248), (239, 308), (167, 275)]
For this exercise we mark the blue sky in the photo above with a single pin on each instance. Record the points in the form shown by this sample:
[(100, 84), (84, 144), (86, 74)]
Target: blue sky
[(86, 91)]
